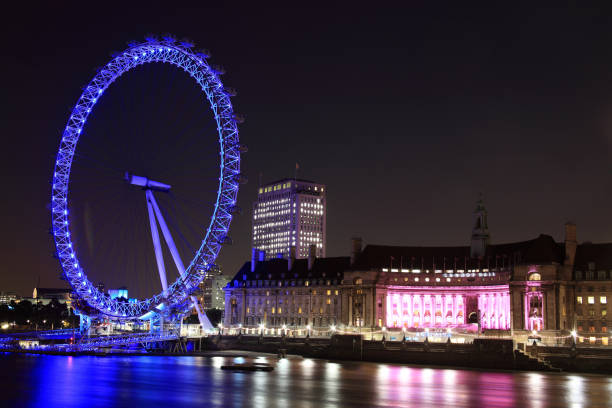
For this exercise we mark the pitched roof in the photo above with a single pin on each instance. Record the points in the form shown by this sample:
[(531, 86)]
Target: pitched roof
[(277, 269), (541, 250), (600, 254)]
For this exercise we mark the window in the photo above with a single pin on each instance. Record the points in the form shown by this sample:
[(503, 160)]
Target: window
[(591, 329), (379, 322), (306, 283), (299, 310), (535, 277), (280, 310), (603, 300), (604, 329), (358, 281), (604, 313), (328, 301), (248, 310), (328, 292), (273, 309), (336, 292), (314, 292), (591, 300)]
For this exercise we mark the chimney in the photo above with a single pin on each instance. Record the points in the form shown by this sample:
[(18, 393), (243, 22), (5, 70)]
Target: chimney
[(254, 254), (356, 243), (291, 258), (570, 243), (312, 254)]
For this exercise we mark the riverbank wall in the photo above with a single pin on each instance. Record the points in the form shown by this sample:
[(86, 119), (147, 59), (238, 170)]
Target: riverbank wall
[(482, 353)]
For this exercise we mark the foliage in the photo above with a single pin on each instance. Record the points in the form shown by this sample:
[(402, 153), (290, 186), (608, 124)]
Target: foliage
[(37, 315)]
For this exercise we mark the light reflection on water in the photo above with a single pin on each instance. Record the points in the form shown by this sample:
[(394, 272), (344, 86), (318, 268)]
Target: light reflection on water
[(54, 381)]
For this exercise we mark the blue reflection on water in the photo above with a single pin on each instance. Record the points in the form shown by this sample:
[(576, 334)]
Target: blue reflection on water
[(57, 381)]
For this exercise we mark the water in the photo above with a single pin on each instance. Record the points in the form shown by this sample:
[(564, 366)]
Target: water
[(58, 381)]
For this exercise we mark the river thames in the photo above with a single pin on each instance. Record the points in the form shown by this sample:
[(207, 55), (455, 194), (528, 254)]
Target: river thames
[(150, 381)]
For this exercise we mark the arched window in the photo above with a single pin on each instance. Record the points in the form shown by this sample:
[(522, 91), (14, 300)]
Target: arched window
[(535, 277), (358, 281)]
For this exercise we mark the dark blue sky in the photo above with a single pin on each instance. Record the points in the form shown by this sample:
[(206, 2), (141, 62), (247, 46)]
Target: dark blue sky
[(405, 113)]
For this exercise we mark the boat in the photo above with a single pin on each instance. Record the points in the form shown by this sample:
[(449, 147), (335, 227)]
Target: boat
[(248, 367)]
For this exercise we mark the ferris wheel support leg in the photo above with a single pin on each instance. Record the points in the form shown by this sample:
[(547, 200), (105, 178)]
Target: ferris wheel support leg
[(166, 232), (204, 322), (159, 256)]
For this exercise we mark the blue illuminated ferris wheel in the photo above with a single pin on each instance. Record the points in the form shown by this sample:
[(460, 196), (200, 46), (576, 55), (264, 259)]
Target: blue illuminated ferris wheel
[(177, 296)]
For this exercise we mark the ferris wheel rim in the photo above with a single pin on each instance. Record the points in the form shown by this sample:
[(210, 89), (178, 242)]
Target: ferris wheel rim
[(196, 65)]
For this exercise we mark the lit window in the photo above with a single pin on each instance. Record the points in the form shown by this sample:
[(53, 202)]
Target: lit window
[(535, 277), (328, 301), (248, 310), (329, 292), (299, 310), (603, 300), (273, 310), (336, 292), (604, 312), (579, 300), (591, 300), (306, 283), (280, 310)]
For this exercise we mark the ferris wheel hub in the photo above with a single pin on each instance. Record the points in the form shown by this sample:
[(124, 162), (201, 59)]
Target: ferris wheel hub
[(146, 183)]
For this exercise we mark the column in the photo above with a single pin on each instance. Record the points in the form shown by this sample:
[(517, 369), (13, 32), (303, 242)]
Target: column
[(422, 311), (444, 310)]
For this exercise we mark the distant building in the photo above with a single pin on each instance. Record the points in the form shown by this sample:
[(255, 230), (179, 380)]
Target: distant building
[(290, 213), (212, 286), (8, 297), (539, 285), (122, 292), (46, 295), (52, 293)]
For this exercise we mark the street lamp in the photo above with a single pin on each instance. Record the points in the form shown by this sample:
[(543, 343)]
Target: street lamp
[(332, 328)]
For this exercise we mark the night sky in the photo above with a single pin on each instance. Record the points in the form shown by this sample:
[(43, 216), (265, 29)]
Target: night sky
[(406, 114)]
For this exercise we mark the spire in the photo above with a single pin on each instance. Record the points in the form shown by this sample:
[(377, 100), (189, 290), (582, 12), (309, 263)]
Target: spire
[(480, 230)]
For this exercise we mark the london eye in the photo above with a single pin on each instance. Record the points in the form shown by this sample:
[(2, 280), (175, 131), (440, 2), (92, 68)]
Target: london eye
[(83, 260)]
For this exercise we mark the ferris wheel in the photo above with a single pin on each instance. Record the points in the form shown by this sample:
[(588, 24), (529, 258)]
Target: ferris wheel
[(178, 296)]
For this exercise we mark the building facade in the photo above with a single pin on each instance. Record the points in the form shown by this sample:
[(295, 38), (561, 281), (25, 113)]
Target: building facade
[(212, 286), (553, 288), (290, 213)]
